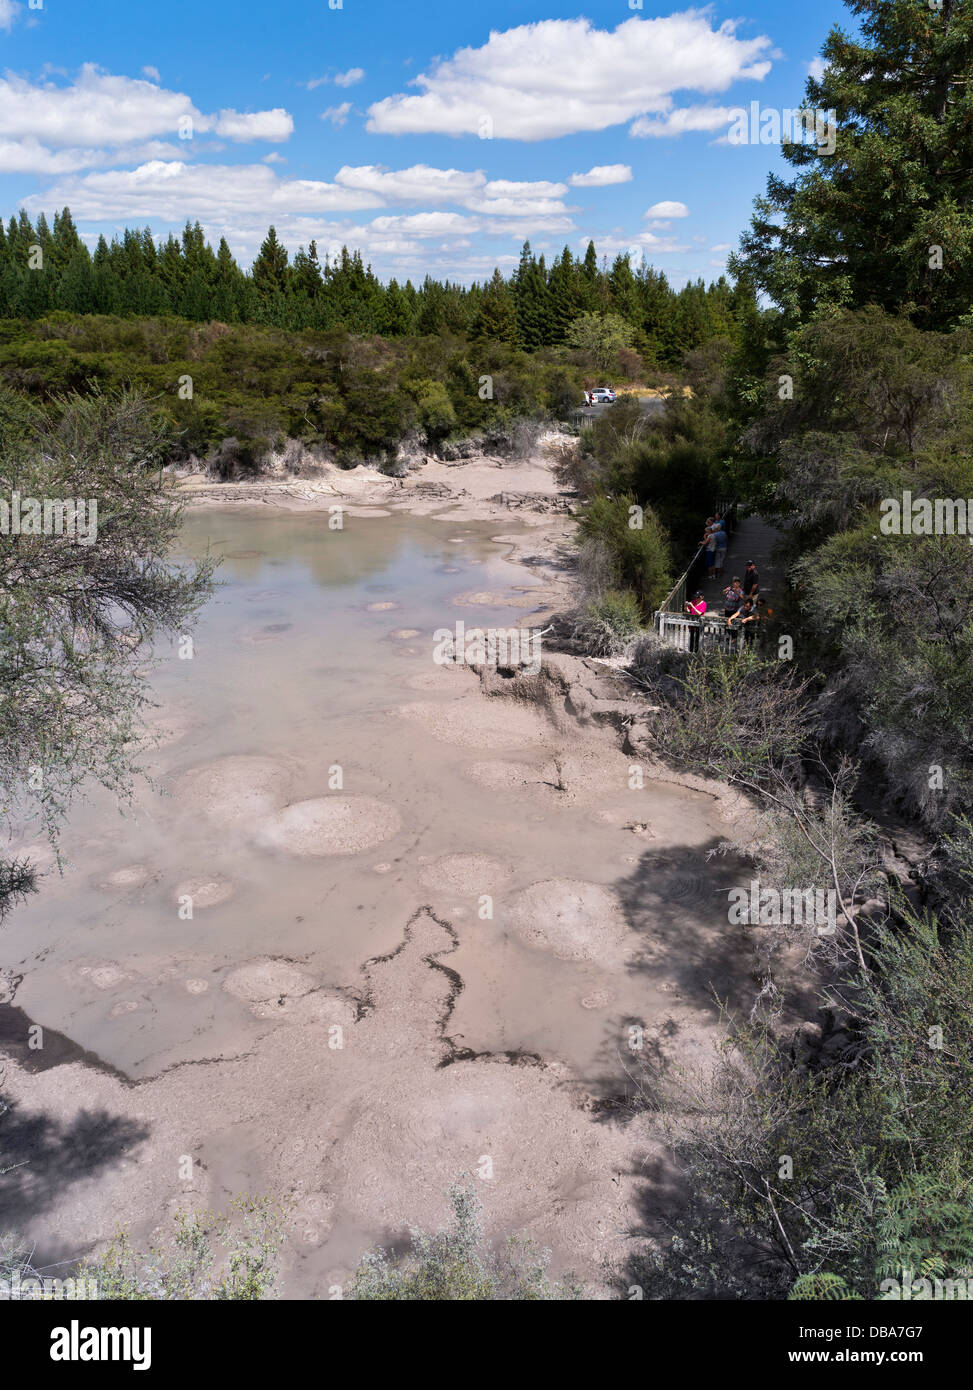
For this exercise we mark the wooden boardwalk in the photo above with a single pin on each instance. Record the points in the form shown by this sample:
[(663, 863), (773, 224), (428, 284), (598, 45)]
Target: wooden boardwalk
[(753, 540)]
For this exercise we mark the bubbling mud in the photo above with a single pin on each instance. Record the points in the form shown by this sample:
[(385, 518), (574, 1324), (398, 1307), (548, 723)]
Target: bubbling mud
[(465, 874), (234, 790), (205, 892), (574, 920), (132, 876), (329, 825)]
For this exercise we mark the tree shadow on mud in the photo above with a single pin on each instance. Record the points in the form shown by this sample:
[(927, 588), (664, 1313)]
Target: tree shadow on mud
[(42, 1155), (676, 902)]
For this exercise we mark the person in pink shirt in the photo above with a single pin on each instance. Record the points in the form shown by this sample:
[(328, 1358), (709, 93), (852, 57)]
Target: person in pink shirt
[(695, 607)]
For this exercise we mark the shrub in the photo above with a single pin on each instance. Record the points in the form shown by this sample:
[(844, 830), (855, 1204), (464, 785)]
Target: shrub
[(637, 542), (210, 1256), (607, 625), (454, 1266), (234, 458), (207, 1257)]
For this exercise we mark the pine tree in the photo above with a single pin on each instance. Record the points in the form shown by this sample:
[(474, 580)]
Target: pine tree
[(75, 290), (44, 239), (623, 290), (656, 302), (593, 297), (495, 318), (887, 218), (270, 272), (172, 271), (564, 286), (431, 309), (394, 314), (13, 242), (104, 280), (690, 314), (532, 301), (65, 238), (230, 289)]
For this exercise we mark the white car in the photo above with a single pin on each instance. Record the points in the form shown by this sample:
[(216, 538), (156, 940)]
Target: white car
[(602, 395)]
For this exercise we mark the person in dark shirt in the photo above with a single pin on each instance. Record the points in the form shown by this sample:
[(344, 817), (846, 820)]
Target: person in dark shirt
[(751, 580), (744, 621)]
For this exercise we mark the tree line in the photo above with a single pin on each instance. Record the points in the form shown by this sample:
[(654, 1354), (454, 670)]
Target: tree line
[(47, 266)]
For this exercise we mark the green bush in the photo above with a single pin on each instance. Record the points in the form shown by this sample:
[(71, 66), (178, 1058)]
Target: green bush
[(210, 1256), (436, 413), (609, 623), (454, 1266), (638, 544)]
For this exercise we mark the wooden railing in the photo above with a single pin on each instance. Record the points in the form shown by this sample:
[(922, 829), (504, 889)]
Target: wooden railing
[(710, 633), (675, 600)]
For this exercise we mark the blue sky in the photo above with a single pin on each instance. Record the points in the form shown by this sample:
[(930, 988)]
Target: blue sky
[(436, 138)]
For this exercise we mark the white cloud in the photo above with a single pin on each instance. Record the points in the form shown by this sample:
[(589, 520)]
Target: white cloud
[(683, 120), (153, 74), (816, 68), (8, 13), (99, 113), (505, 198), (518, 207), (530, 224), (722, 246), (28, 157), (97, 109), (426, 224), (273, 158), (337, 115), (556, 77), (173, 190), (419, 184), (341, 79), (275, 125), (615, 243), (667, 209), (602, 175), (467, 188), (505, 188)]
